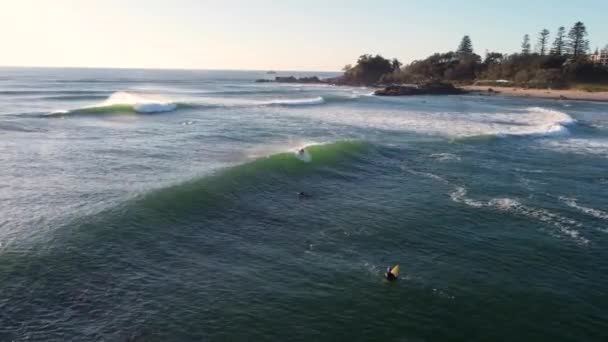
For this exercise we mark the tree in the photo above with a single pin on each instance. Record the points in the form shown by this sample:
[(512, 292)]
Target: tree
[(543, 38), (369, 70), (525, 45), (493, 58), (558, 48), (396, 64), (466, 47), (577, 44)]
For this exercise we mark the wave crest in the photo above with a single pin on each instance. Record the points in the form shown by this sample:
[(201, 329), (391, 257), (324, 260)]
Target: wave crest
[(296, 102), (125, 102)]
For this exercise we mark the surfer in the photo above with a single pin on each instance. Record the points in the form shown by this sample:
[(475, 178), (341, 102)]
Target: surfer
[(302, 195), (303, 155), (392, 273)]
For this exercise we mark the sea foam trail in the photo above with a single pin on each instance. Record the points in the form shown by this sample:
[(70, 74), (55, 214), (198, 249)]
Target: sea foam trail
[(131, 102), (572, 203), (565, 226)]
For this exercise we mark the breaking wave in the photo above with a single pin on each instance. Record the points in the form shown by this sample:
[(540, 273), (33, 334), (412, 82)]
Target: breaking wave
[(129, 102), (461, 126), (297, 102), (121, 102)]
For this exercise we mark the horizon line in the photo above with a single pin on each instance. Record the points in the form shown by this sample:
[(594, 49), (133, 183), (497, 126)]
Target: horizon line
[(155, 68)]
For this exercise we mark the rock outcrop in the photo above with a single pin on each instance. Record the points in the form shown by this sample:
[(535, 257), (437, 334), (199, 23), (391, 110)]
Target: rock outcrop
[(419, 89), (292, 79)]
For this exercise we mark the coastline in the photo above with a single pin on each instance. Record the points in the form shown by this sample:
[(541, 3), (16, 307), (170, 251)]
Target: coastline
[(568, 94)]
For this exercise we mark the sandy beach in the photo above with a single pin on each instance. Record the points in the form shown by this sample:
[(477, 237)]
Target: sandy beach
[(576, 95)]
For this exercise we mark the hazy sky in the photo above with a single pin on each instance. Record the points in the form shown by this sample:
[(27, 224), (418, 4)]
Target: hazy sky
[(264, 34)]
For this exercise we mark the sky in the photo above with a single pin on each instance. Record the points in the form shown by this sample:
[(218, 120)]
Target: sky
[(272, 34)]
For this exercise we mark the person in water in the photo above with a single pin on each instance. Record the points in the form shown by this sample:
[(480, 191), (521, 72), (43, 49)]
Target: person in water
[(301, 152), (302, 195), (389, 275)]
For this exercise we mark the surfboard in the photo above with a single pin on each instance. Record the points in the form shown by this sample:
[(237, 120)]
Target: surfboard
[(395, 270)]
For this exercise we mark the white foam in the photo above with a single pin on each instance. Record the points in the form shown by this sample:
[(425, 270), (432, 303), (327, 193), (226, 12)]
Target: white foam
[(445, 157), (572, 203), (596, 147), (459, 195), (296, 102), (565, 226), (141, 103), (427, 175), (533, 121), (303, 156)]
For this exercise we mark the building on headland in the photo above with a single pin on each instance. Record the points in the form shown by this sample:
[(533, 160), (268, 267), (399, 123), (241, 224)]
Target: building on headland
[(600, 57)]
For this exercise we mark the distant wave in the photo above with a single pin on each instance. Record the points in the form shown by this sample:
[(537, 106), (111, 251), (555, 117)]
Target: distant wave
[(145, 103), (296, 102), (125, 102)]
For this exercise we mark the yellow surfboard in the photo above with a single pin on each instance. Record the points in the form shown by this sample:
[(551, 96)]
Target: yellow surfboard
[(395, 270)]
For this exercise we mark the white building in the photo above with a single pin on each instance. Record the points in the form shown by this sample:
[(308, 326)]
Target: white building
[(600, 57)]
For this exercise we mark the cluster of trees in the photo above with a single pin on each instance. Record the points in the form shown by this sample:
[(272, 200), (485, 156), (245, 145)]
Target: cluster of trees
[(547, 65), (575, 44), (370, 70)]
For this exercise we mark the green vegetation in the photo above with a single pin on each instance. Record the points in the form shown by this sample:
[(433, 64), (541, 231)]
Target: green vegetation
[(525, 45), (565, 63), (577, 44), (559, 43), (543, 38), (466, 47), (370, 70)]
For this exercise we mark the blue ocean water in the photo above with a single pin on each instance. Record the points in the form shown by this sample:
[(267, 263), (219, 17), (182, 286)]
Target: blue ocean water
[(151, 205)]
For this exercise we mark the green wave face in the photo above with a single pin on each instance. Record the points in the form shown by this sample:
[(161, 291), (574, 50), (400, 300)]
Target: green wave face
[(253, 175), (111, 109), (210, 196)]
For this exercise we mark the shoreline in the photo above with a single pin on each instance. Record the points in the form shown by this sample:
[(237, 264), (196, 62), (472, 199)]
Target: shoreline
[(567, 94)]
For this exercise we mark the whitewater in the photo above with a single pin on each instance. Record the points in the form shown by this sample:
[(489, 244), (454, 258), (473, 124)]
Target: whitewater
[(165, 205)]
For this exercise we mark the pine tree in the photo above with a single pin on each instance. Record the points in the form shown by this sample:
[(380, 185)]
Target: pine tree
[(577, 44), (543, 38), (466, 47), (396, 64), (559, 48), (525, 45)]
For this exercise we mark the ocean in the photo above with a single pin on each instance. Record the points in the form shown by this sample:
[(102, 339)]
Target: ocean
[(162, 205)]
